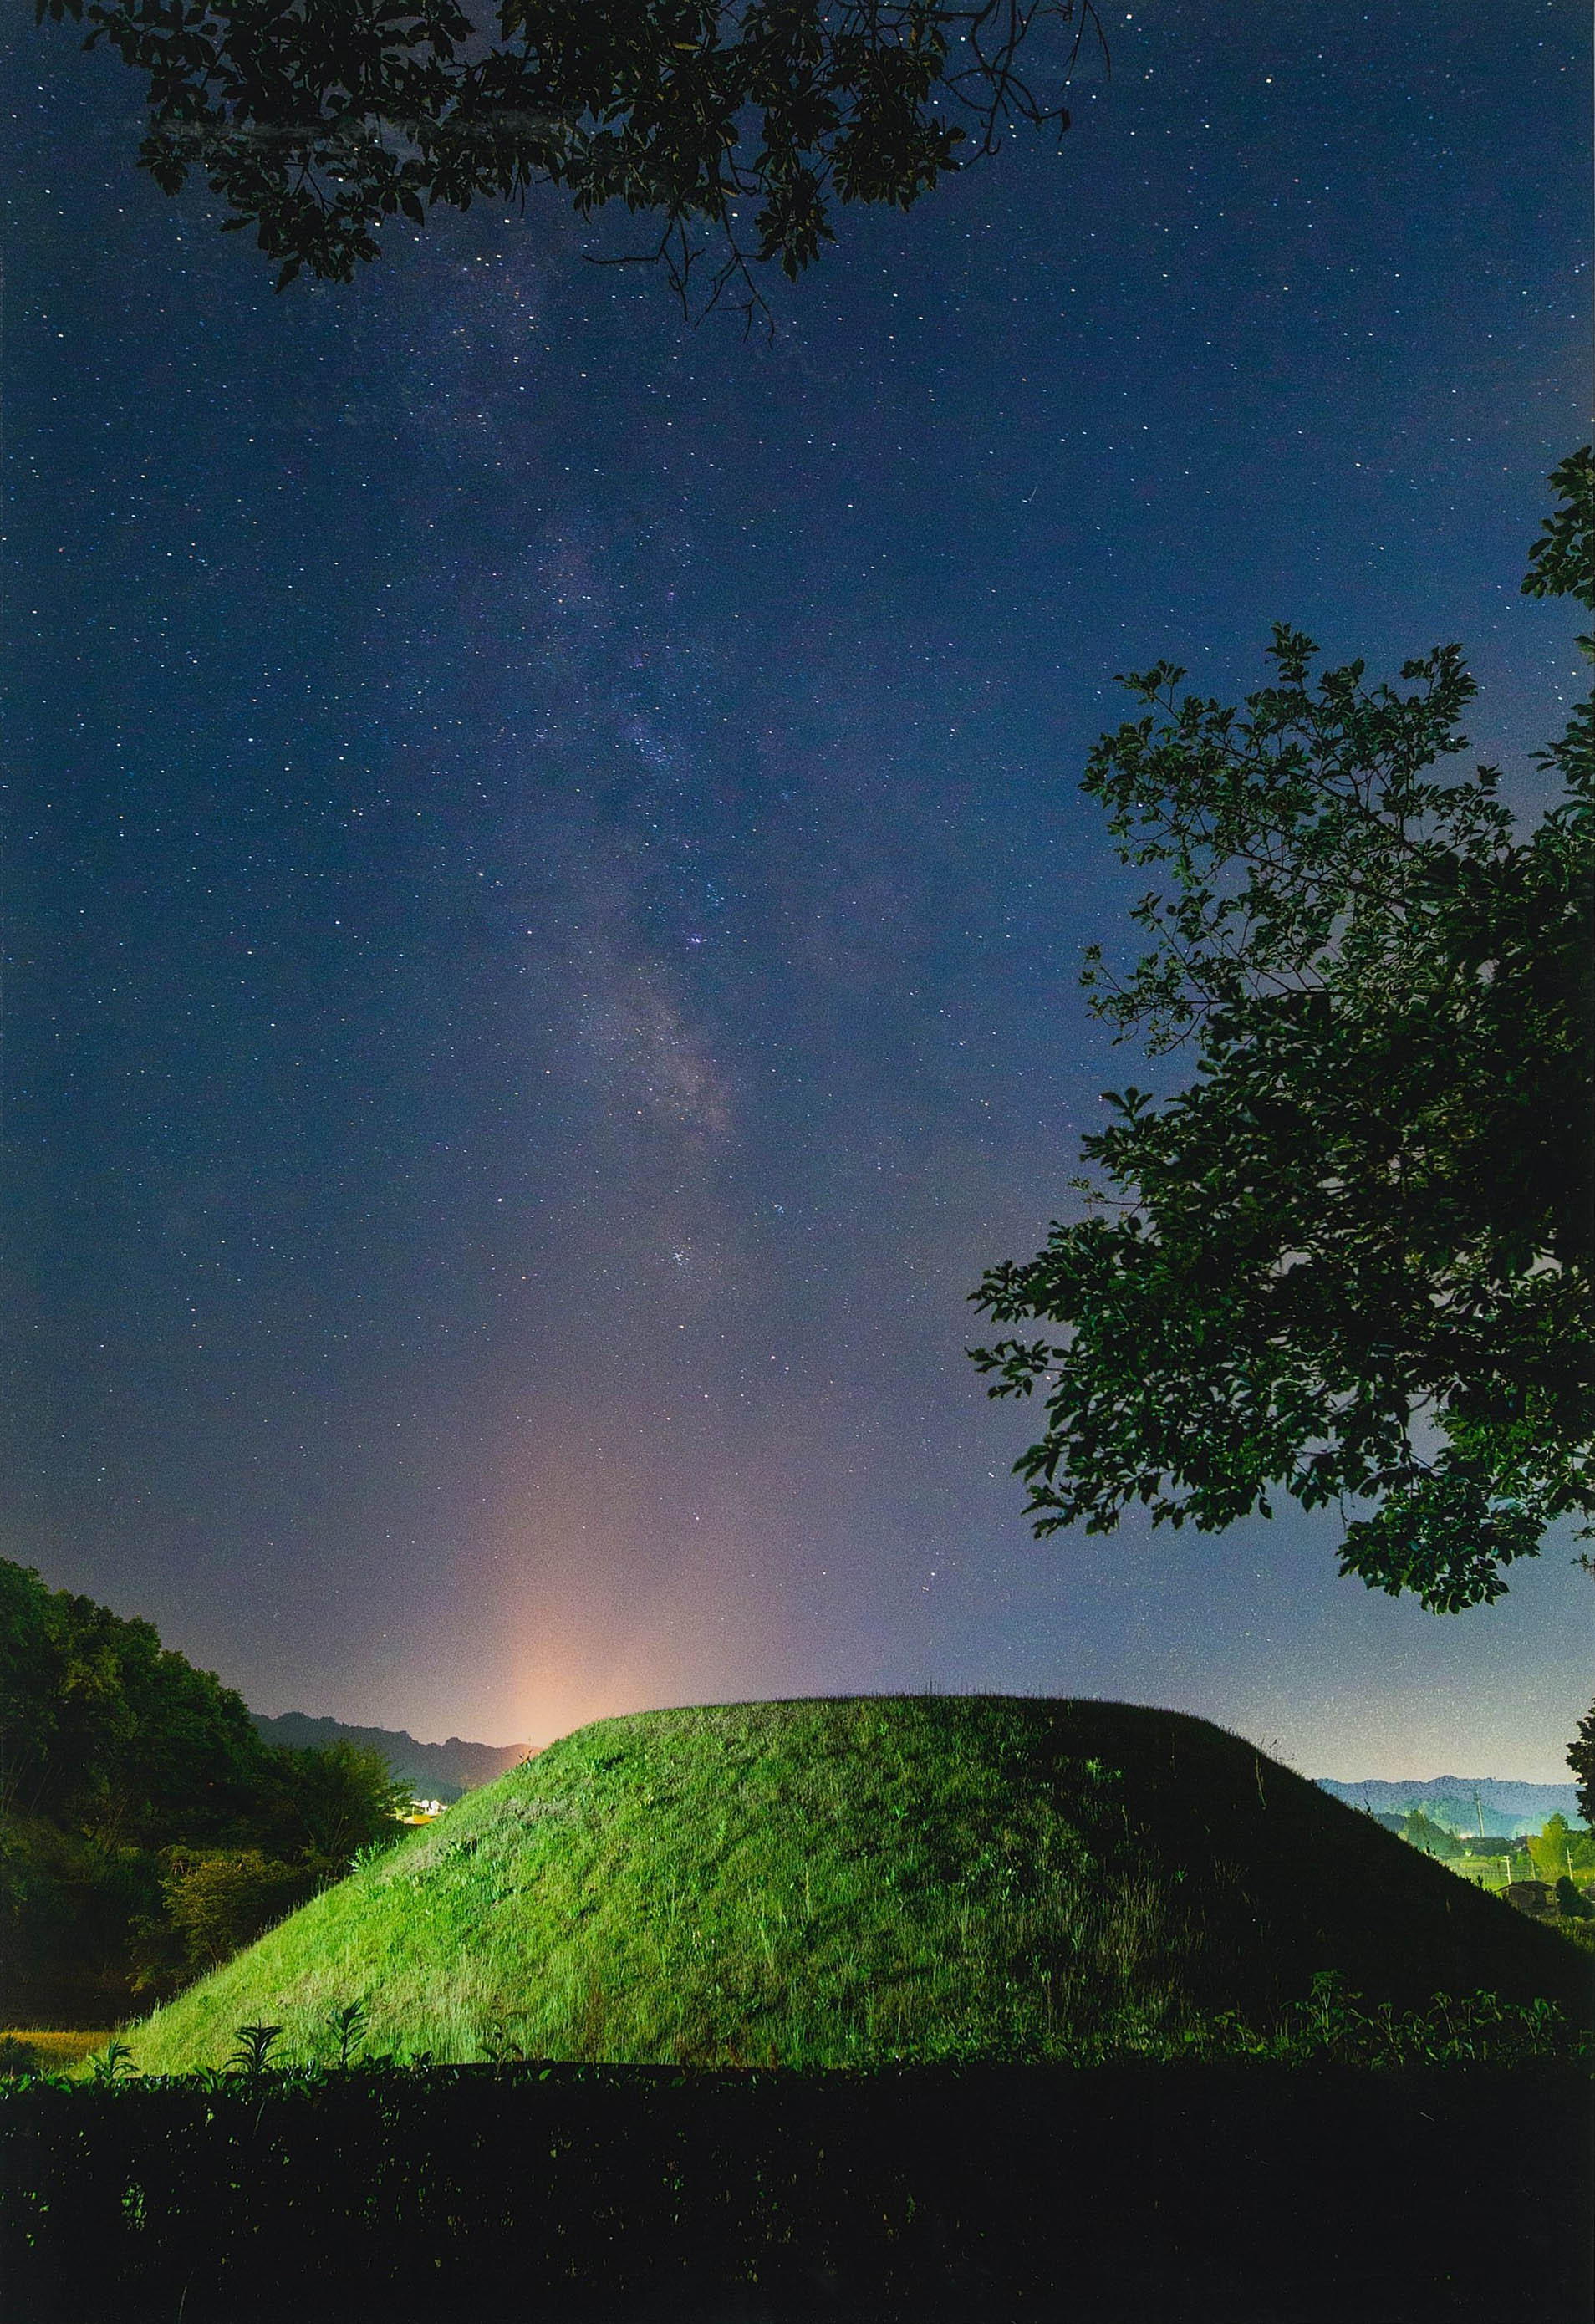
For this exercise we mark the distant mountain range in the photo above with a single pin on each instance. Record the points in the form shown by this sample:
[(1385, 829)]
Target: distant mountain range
[(447, 1771), (1505, 1809), (439, 1771)]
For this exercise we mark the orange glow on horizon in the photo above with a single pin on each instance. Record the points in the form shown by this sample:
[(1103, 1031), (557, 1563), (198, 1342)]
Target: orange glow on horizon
[(597, 1618)]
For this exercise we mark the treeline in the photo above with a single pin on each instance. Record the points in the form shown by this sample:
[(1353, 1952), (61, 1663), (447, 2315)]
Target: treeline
[(147, 1831), (1559, 1849), (1548, 1872)]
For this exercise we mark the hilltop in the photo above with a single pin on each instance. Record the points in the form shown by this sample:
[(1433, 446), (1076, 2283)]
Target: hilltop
[(441, 1771), (846, 1881)]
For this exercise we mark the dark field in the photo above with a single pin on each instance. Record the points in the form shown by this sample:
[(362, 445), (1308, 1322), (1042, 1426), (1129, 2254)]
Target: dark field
[(606, 2195)]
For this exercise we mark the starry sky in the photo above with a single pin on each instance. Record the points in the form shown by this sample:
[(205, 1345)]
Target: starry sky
[(544, 875)]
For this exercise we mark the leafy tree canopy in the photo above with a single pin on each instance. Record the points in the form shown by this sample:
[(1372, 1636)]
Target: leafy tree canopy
[(142, 1816), (1581, 1760), (328, 1803), (1422, 1832), (106, 1731), (1351, 1261), (317, 120)]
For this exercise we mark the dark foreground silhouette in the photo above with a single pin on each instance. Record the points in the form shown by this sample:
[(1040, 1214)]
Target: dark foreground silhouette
[(623, 2195)]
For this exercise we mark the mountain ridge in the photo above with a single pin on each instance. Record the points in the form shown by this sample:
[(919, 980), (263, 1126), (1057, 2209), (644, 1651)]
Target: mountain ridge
[(444, 1771), (1507, 1807)]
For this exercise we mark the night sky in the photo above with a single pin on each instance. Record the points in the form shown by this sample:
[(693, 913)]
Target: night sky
[(544, 875)]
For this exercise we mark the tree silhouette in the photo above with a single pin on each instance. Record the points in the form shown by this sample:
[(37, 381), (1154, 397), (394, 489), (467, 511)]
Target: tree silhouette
[(1581, 1758), (1353, 1260), (737, 125)]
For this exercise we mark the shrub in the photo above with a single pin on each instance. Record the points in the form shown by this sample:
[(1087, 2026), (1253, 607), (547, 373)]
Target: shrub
[(220, 1900)]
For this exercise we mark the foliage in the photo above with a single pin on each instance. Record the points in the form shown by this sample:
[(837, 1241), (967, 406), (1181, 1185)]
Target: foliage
[(1352, 1259), (1549, 1851), (255, 2049), (840, 1883), (29, 1688), (1339, 2024), (1335, 2023), (220, 1900), (113, 2062), (104, 1731), (1420, 1830), (145, 1827), (1571, 1898), (316, 124), (1581, 1758), (348, 2026)]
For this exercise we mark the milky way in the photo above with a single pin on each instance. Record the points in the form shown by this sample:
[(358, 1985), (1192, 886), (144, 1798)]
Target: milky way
[(546, 877)]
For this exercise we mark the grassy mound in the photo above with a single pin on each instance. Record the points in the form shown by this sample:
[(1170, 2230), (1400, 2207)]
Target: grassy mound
[(835, 1883)]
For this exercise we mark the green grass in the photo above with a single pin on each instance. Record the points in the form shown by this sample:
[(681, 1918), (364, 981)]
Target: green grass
[(842, 1883), (46, 2048)]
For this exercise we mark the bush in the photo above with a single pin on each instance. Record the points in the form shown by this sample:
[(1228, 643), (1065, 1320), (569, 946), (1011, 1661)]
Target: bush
[(219, 1900)]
